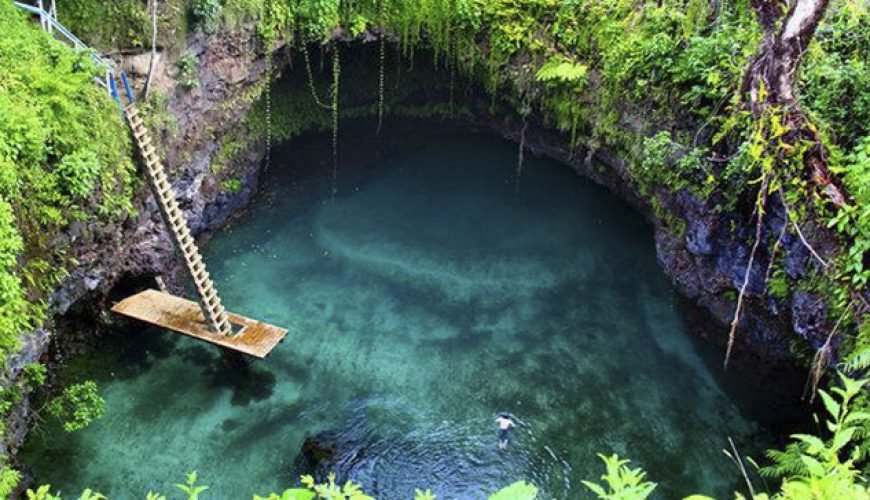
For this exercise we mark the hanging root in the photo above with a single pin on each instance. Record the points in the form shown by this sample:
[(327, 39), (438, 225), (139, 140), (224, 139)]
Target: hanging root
[(311, 78), (521, 154), (381, 83), (822, 360), (573, 144), (336, 74), (762, 199), (776, 247), (452, 70), (800, 233), (268, 110)]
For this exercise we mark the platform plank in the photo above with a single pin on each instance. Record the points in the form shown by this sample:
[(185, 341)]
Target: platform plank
[(184, 316)]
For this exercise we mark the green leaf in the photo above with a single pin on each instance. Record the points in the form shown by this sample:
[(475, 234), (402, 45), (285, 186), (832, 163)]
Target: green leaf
[(813, 466), (562, 69), (815, 444), (519, 490), (831, 406), (298, 494), (596, 488), (842, 438)]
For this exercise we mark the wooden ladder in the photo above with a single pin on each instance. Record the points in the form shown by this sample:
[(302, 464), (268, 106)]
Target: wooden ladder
[(209, 302)]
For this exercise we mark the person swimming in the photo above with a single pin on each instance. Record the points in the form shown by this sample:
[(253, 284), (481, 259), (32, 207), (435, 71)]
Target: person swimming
[(505, 423)]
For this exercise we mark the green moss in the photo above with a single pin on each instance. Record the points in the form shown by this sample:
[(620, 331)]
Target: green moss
[(187, 76), (232, 185)]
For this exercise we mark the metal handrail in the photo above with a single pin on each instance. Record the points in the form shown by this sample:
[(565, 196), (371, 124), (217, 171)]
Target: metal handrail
[(51, 23)]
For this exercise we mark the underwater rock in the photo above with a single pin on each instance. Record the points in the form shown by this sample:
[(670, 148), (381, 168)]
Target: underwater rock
[(315, 452)]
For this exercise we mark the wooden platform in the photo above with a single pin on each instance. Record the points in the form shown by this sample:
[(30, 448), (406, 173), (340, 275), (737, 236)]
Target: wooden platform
[(184, 316)]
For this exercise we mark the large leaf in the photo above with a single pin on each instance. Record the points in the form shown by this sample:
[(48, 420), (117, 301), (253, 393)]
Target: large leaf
[(831, 406)]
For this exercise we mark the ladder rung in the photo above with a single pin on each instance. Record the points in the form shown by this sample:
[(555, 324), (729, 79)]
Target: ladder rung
[(197, 269), (164, 187), (172, 205), (175, 217)]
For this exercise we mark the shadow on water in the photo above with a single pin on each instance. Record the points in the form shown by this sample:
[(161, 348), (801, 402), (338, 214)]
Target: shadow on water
[(247, 383)]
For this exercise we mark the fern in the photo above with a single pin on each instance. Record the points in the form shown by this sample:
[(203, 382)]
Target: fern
[(859, 360), (785, 463), (562, 69)]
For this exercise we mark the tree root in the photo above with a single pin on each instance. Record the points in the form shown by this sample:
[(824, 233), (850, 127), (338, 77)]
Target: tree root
[(762, 200), (821, 361), (800, 233)]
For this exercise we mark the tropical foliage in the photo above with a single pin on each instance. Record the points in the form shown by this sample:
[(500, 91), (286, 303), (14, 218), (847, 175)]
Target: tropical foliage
[(658, 83), (813, 467), (311, 490), (78, 406), (64, 157)]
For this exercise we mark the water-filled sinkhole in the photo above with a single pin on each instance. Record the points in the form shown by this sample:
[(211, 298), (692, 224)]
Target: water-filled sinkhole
[(427, 294)]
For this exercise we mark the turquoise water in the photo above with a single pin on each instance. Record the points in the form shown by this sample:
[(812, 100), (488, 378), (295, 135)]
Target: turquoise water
[(424, 297)]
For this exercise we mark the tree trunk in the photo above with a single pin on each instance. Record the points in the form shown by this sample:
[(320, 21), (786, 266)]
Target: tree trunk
[(770, 79)]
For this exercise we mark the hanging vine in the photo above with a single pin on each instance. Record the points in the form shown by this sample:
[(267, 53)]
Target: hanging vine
[(268, 56), (383, 59), (760, 205), (524, 113), (336, 75), (451, 65), (311, 77)]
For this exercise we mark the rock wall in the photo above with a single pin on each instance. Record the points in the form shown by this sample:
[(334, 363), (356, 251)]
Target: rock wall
[(230, 70), (706, 262)]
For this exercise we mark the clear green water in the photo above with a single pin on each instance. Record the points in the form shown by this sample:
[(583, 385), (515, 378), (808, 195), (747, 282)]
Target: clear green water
[(422, 299)]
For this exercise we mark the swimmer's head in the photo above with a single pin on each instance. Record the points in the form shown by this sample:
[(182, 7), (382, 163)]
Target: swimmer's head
[(505, 415)]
